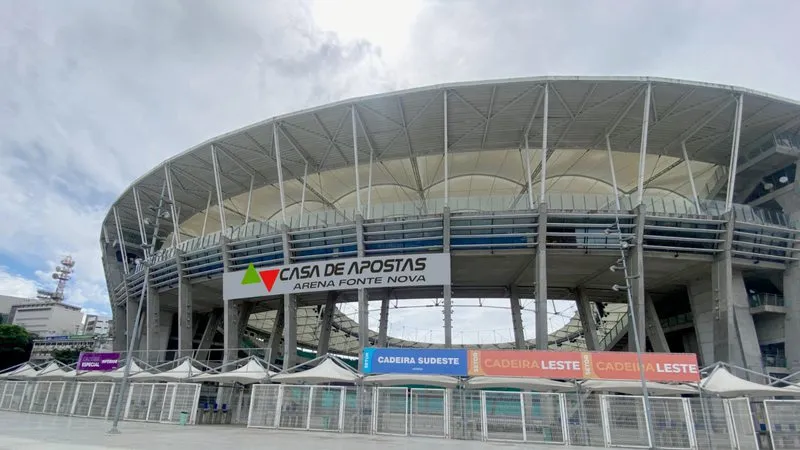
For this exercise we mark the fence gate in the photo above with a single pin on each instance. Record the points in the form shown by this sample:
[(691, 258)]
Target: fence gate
[(710, 422), (390, 414), (466, 417), (743, 427), (783, 420), (180, 398), (671, 423), (503, 416), (52, 401), (429, 412), (624, 421), (543, 418), (264, 406), (326, 408), (359, 402), (295, 407)]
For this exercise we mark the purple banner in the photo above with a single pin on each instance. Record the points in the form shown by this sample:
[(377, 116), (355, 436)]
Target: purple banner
[(98, 362)]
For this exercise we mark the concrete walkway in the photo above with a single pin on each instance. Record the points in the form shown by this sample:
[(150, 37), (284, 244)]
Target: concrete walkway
[(40, 432)]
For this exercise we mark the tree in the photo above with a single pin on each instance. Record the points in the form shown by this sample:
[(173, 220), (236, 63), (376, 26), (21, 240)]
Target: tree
[(15, 345), (68, 356)]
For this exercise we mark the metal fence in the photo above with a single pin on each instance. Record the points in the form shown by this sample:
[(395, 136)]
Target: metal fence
[(587, 419), (576, 419)]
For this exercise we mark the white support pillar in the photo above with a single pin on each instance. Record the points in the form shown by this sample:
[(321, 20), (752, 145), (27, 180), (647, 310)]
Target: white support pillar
[(528, 172), (369, 186), (691, 178), (541, 280), (355, 158), (289, 311), (205, 215), (250, 201), (363, 299), (447, 289), (446, 156), (154, 350), (173, 211), (277, 144), (276, 336), (139, 217), (613, 173), (185, 312), (643, 144), (737, 131), (303, 195), (218, 187), (543, 173), (121, 242)]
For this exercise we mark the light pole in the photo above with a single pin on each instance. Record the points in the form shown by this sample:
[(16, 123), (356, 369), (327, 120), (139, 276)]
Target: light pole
[(623, 264)]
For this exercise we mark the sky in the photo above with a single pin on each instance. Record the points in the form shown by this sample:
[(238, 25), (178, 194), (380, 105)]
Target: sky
[(95, 93)]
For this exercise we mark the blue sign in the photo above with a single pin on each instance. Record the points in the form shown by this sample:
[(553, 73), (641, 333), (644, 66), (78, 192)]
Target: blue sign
[(427, 361)]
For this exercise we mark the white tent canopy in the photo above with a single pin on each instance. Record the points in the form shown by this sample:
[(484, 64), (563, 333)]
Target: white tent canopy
[(725, 384), (528, 384), (115, 374), (442, 381), (53, 371), (328, 371), (182, 371), (634, 387), (252, 372), (22, 372)]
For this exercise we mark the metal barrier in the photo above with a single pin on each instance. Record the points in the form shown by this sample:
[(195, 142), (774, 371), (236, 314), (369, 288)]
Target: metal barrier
[(576, 419), (741, 417), (783, 422)]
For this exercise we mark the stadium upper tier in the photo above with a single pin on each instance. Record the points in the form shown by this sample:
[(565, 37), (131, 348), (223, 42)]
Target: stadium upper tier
[(403, 136)]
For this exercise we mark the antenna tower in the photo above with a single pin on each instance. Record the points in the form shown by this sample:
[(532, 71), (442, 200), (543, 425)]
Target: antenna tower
[(62, 274)]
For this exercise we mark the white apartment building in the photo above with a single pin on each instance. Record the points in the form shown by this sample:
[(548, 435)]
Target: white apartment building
[(44, 318)]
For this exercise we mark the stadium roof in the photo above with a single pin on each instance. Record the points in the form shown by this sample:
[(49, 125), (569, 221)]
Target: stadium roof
[(403, 134)]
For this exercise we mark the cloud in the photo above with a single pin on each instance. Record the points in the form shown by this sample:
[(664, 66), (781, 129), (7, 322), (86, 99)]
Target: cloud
[(16, 285)]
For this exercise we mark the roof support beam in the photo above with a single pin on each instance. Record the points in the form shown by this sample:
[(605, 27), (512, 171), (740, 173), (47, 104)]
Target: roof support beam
[(412, 157), (173, 211), (276, 143), (331, 139), (218, 186), (545, 152), (488, 118), (737, 130), (577, 113), (355, 157), (120, 241), (643, 143)]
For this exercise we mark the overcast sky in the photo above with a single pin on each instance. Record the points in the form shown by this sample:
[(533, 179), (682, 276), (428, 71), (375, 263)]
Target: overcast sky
[(94, 93)]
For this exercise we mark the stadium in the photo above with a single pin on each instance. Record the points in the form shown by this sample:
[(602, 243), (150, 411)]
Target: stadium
[(698, 177), (242, 273)]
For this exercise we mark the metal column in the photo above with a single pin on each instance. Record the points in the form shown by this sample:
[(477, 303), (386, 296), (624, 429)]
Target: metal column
[(363, 299), (327, 323), (185, 312), (279, 169), (587, 321), (446, 154), (737, 131), (355, 158), (210, 330), (275, 337), (218, 187), (636, 267), (516, 318), (447, 289), (643, 143), (543, 163), (289, 312), (383, 324), (154, 350), (654, 330), (691, 178), (541, 280), (173, 211)]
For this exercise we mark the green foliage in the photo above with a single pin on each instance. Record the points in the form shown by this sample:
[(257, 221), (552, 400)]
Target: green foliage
[(15, 345), (68, 356)]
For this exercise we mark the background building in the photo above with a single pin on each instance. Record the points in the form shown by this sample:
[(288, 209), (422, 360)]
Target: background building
[(522, 182), (46, 318)]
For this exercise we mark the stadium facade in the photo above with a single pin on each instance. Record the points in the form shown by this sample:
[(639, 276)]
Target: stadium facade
[(699, 177)]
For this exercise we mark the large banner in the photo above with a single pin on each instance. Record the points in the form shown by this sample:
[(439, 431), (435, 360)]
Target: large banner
[(100, 362), (415, 361), (340, 274), (665, 367)]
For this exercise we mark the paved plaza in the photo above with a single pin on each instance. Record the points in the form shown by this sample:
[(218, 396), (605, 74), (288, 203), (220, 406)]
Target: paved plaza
[(40, 432)]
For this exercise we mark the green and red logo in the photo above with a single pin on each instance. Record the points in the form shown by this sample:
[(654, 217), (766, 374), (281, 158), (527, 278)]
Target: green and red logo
[(253, 276)]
